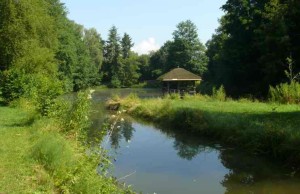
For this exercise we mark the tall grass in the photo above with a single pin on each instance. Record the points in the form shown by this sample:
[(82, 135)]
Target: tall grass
[(219, 94), (288, 93)]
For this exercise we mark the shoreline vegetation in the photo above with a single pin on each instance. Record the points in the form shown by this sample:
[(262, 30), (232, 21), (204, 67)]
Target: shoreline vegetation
[(268, 129), (48, 154)]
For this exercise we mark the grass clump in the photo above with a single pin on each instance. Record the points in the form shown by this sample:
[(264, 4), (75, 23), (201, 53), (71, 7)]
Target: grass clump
[(287, 93), (219, 94)]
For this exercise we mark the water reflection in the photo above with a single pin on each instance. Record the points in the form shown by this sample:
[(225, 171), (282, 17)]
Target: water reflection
[(246, 173), (122, 130), (173, 161)]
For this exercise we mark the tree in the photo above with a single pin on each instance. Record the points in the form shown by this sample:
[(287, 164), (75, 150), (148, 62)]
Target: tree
[(158, 61), (186, 50), (93, 42), (126, 45), (128, 73), (111, 54), (248, 51)]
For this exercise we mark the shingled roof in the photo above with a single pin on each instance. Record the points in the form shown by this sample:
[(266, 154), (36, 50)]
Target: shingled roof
[(179, 74)]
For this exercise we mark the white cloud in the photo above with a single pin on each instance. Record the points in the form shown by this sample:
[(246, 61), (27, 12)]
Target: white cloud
[(146, 46)]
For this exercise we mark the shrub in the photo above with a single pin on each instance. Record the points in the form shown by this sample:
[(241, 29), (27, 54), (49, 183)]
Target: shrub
[(285, 93), (12, 86), (74, 116), (38, 88)]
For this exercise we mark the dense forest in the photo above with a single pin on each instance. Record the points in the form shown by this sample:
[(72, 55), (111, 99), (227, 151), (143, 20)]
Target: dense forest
[(44, 54)]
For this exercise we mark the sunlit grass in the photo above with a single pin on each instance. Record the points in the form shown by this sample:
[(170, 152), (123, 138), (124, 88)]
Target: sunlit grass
[(36, 157)]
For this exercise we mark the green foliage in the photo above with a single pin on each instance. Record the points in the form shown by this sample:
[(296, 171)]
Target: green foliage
[(128, 73), (39, 89), (115, 82), (73, 117), (249, 48), (112, 52), (187, 51), (12, 85), (288, 93), (93, 42), (126, 45), (219, 94)]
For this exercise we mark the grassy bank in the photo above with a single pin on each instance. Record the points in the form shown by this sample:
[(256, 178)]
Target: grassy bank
[(37, 156), (261, 128)]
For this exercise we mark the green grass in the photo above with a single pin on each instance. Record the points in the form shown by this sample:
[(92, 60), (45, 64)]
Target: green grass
[(265, 128), (36, 157), (16, 169)]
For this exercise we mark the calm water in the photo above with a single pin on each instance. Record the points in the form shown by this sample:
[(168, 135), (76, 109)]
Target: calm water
[(166, 161)]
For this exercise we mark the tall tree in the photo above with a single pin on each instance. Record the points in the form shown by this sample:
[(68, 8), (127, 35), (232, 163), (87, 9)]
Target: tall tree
[(248, 52), (93, 42), (186, 50), (126, 45), (111, 54), (158, 61)]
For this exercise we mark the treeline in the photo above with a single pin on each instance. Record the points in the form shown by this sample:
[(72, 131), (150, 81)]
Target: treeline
[(43, 52), (249, 50)]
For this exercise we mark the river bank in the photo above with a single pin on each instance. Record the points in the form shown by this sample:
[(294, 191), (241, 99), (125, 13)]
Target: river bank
[(259, 128), (38, 156)]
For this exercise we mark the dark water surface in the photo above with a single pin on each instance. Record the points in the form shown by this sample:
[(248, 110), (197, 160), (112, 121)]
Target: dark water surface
[(168, 161)]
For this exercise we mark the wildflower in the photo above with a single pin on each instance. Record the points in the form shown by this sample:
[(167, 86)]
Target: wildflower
[(122, 119), (118, 127), (113, 116), (119, 112), (124, 111), (89, 96), (92, 91)]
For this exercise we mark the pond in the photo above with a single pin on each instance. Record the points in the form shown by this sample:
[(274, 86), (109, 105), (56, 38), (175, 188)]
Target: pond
[(166, 161)]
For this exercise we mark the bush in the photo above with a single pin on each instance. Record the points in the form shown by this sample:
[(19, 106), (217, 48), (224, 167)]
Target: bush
[(40, 89), (285, 93), (73, 117), (12, 86)]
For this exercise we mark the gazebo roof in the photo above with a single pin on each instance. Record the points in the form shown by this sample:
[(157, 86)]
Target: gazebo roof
[(179, 74)]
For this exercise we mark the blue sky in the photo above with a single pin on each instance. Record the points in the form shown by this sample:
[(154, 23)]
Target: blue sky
[(150, 23)]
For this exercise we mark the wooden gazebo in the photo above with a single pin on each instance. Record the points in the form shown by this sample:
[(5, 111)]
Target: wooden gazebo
[(180, 81)]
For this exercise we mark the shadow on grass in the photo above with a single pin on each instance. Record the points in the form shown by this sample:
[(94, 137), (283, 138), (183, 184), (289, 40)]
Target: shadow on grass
[(25, 122), (2, 103)]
